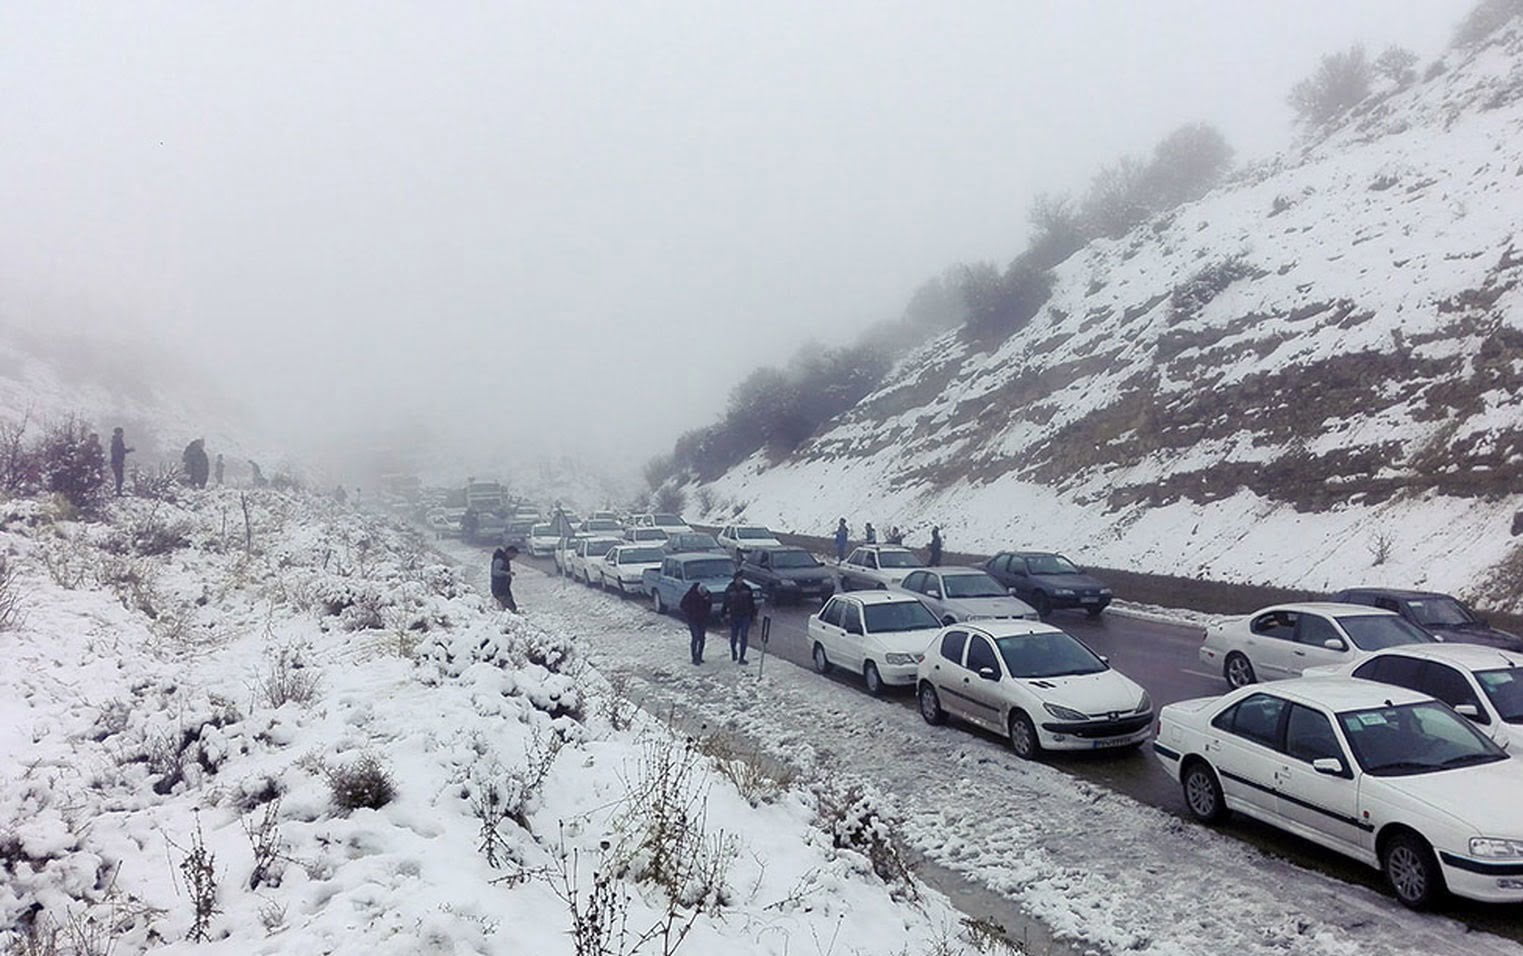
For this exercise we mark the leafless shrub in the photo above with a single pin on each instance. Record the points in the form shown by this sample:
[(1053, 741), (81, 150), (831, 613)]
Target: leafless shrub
[(199, 867), (503, 796), (758, 779), (1380, 547), (617, 707), (855, 822), (93, 929), (363, 784), (68, 561), (150, 535), (599, 917), (134, 580), (272, 917), (287, 678), (165, 483), (266, 844), (20, 462), (12, 613)]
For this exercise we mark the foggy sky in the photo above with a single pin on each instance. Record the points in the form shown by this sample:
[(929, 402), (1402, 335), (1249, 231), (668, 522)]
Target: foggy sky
[(573, 226)]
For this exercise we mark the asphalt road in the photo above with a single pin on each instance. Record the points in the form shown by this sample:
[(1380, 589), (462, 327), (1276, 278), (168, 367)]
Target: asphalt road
[(1163, 658)]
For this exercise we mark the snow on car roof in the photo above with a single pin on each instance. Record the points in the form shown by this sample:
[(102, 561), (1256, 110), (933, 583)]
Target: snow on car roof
[(1011, 628), (880, 597), (1473, 656), (1340, 693), (1329, 608)]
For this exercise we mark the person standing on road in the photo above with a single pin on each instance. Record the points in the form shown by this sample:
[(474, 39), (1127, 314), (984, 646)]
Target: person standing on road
[(695, 606), (740, 606), (870, 534), (119, 453), (502, 577), (936, 546), (842, 534)]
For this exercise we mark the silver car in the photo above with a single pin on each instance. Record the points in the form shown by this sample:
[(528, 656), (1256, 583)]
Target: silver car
[(965, 594)]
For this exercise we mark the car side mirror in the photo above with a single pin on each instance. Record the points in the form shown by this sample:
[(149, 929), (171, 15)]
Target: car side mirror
[(988, 673), (1334, 644), (1470, 711), (1331, 766)]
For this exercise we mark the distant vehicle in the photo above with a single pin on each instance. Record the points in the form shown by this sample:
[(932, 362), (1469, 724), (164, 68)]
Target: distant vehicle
[(687, 541), (581, 563), (671, 524), (1048, 581), (668, 583), (876, 566), (443, 523), (788, 575), (1280, 642), (1039, 686), (1483, 684), (1444, 617), (542, 540), (604, 516), (623, 568), (880, 635), (485, 518), (646, 535), (565, 549), (741, 538), (601, 526), (517, 532), (1382, 774), (965, 594)]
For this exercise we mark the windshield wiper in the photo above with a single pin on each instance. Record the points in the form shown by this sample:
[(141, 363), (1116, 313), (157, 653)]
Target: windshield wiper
[(1460, 760), (1399, 765)]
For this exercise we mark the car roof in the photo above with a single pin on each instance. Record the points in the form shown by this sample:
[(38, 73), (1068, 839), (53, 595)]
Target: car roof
[(1328, 608), (880, 597), (1034, 554), (1011, 628), (955, 569), (1400, 594), (696, 555), (882, 547), (1340, 693), (1470, 656)]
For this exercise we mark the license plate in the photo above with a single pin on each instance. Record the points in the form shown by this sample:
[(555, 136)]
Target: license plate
[(1089, 600), (1110, 742)]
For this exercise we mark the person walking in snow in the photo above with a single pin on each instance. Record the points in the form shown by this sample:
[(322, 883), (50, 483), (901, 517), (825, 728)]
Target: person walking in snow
[(695, 606), (197, 466), (842, 536), (935, 546), (870, 534), (119, 453), (740, 607), (502, 577), (219, 469)]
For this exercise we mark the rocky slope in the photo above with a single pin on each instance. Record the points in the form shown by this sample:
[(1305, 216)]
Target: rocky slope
[(1311, 377)]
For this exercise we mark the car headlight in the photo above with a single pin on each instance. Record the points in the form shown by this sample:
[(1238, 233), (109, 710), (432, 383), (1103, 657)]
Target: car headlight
[(1145, 705), (1492, 848), (1064, 713), (901, 658)]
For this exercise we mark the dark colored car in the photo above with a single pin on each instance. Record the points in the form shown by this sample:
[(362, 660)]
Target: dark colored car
[(788, 575), (1439, 614), (1048, 581)]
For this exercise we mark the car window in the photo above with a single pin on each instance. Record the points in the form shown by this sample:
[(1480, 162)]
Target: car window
[(1281, 624), (1376, 632), (915, 582), (1309, 735), (855, 558), (952, 643), (1002, 563), (1398, 669), (981, 655), (1314, 630), (832, 613), (1444, 683), (1257, 718), (851, 619), (1424, 737), (1505, 690)]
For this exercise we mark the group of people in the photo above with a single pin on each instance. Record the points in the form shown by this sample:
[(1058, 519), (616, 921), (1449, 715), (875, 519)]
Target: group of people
[(198, 465), (738, 605), (895, 536)]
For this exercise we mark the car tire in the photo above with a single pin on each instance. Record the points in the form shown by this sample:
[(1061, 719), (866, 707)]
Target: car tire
[(1203, 792), (872, 679), (660, 604), (1094, 612), (1411, 871), (1238, 670), (930, 704), (821, 662), (1042, 604), (1023, 739)]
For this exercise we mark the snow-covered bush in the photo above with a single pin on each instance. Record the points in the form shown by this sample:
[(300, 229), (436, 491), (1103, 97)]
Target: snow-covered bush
[(856, 821), (365, 783)]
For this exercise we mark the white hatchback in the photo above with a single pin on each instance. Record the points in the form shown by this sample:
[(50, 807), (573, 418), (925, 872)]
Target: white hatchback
[(1382, 774), (1039, 686), (1280, 642), (880, 635)]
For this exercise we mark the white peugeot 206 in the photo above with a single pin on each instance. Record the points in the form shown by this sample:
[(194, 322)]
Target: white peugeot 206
[(1386, 775)]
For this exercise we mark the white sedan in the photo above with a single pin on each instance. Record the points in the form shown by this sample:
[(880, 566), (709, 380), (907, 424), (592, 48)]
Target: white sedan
[(581, 565), (542, 540), (623, 568), (1483, 684), (879, 635), (646, 535), (876, 566), (1382, 774), (740, 538), (1039, 686), (1282, 641)]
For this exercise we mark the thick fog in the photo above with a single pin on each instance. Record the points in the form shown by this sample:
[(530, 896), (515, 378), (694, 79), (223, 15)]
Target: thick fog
[(572, 226)]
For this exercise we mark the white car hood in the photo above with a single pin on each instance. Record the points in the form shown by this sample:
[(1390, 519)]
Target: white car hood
[(1095, 694), (906, 642), (1484, 797)]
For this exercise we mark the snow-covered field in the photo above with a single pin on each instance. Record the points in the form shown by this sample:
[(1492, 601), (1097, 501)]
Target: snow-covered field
[(1097, 868), (200, 717)]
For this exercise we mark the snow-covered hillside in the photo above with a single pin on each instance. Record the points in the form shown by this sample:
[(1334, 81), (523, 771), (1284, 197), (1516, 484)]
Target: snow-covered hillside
[(1312, 377)]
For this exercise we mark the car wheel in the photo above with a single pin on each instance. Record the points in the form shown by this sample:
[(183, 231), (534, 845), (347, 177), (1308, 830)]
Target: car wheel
[(1042, 604), (872, 679), (930, 704), (821, 662), (1023, 738), (1238, 670), (1412, 872), (1203, 793), (660, 604), (1094, 612)]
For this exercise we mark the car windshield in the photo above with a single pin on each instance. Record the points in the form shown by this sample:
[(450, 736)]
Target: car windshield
[(640, 556), (542, 530), (650, 534), (752, 533), (1374, 632), (600, 546), (899, 559), (1047, 654), (1050, 564), (695, 542), (667, 521), (971, 586), (898, 616), (717, 568), (1505, 691), (602, 524), (1424, 737), (793, 559), (1440, 612)]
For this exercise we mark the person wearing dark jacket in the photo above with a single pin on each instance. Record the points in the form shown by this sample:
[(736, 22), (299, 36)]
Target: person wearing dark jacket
[(869, 534), (119, 453), (502, 577), (936, 546), (842, 535), (695, 606), (197, 466), (740, 607)]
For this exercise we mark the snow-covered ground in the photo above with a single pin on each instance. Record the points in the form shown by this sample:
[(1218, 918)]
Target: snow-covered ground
[(1096, 867), (193, 698)]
